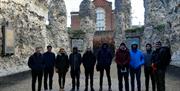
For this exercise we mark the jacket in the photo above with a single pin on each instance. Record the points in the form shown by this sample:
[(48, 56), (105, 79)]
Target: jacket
[(75, 61), (62, 63), (122, 57), (89, 60), (35, 62), (104, 58), (136, 59), (161, 58), (148, 59), (49, 60)]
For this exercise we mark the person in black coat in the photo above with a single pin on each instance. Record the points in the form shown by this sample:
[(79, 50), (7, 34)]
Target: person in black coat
[(104, 60), (75, 62), (62, 65), (49, 60), (161, 58), (36, 65), (89, 60)]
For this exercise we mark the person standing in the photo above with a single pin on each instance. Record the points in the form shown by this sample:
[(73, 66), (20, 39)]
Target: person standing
[(122, 60), (49, 59), (148, 71), (136, 61), (75, 62), (62, 65), (89, 61), (161, 59), (104, 60), (36, 64)]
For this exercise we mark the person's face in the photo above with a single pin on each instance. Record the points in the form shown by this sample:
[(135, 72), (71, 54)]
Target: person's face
[(104, 46), (148, 47), (49, 49), (158, 45), (62, 50), (74, 50), (38, 50), (134, 46), (122, 47)]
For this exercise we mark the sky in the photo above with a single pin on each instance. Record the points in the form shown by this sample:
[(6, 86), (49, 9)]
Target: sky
[(137, 10)]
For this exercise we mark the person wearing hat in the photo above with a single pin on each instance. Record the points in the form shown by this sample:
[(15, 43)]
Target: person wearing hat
[(89, 61), (122, 60), (161, 59), (136, 61), (62, 65), (75, 63), (49, 60)]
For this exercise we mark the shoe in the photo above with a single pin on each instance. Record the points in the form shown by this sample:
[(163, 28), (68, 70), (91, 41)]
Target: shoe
[(73, 89), (110, 89), (86, 89), (92, 89), (77, 89), (100, 89)]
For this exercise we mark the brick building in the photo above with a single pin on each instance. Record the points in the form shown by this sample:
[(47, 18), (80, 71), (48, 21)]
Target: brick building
[(104, 19), (104, 23)]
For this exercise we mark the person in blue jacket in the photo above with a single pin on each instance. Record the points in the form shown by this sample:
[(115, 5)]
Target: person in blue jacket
[(104, 60), (136, 61), (49, 60), (36, 65)]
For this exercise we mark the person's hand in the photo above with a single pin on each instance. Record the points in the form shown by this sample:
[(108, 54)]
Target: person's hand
[(154, 67)]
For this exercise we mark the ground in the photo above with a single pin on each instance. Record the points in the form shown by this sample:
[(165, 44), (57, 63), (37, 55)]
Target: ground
[(22, 81)]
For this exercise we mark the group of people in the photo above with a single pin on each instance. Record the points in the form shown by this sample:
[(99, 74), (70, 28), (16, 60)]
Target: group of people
[(155, 63), (128, 62)]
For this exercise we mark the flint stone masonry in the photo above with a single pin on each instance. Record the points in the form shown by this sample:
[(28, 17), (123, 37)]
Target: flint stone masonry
[(87, 21), (28, 18), (167, 13), (122, 20)]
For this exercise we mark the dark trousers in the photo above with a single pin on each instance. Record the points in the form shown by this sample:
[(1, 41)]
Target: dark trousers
[(107, 69), (135, 73), (89, 73), (48, 73), (35, 75), (149, 73), (160, 80), (122, 75), (62, 79), (75, 75)]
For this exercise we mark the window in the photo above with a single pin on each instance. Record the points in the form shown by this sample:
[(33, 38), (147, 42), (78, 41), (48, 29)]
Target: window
[(100, 19)]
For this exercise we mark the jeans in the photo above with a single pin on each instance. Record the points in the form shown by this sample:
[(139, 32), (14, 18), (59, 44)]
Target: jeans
[(62, 78), (75, 75), (137, 73), (35, 75), (122, 75), (87, 74), (107, 69), (48, 73), (149, 73)]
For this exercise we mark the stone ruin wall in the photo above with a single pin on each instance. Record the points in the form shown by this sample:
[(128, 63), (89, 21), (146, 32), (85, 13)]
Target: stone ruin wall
[(166, 12), (29, 18)]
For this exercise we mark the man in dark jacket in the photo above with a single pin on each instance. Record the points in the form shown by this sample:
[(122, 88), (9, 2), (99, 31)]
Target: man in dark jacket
[(123, 59), (62, 65), (104, 60), (36, 65), (161, 59), (75, 62), (89, 61), (49, 59), (148, 68)]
